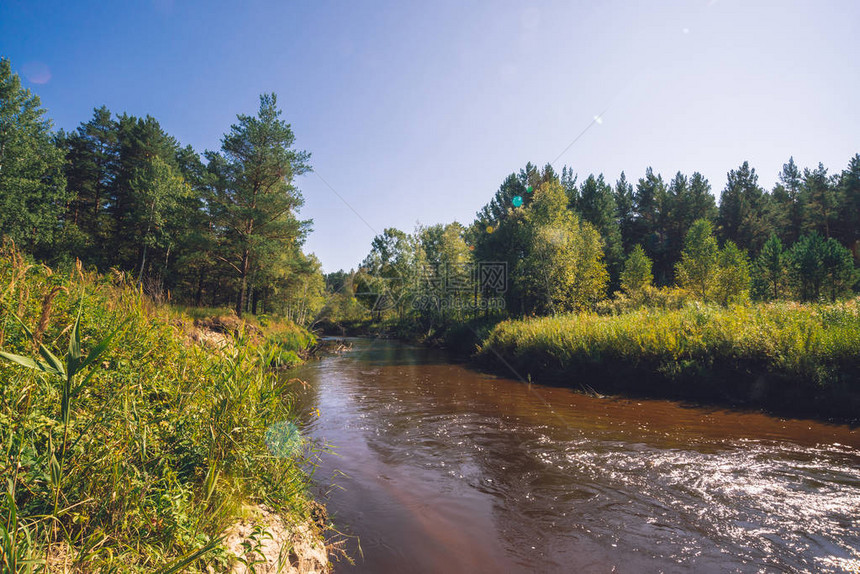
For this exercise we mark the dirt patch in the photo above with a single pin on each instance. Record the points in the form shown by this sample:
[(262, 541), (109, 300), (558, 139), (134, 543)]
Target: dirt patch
[(267, 543), (217, 333), (210, 339)]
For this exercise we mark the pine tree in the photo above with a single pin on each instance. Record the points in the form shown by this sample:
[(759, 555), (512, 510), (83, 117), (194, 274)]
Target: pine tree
[(819, 201), (680, 216), (91, 161), (807, 267), (649, 229), (820, 268), (32, 186), (770, 272), (742, 209), (568, 182), (624, 211), (597, 206), (847, 228), (256, 200), (784, 213), (840, 276)]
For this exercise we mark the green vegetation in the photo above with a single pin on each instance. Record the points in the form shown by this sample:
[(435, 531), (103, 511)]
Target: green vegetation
[(120, 193), (32, 186), (801, 358), (125, 446), (684, 313)]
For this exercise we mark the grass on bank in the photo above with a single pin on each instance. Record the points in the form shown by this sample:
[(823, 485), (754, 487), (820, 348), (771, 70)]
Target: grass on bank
[(804, 358), (139, 461)]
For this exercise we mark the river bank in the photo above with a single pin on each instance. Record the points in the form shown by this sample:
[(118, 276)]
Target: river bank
[(786, 358), (790, 359), (137, 437)]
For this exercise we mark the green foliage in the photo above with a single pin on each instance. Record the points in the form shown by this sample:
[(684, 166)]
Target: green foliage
[(650, 202), (299, 294), (665, 298), (91, 162), (564, 269), (699, 265), (819, 201), (254, 198), (770, 271), (625, 213), (733, 276), (386, 273), (286, 343), (596, 204), (821, 268), (136, 448), (156, 194), (784, 210), (341, 307), (743, 208), (32, 185), (686, 201), (805, 351), (636, 276), (847, 225)]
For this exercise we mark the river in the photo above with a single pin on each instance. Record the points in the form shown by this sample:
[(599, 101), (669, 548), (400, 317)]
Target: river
[(440, 468)]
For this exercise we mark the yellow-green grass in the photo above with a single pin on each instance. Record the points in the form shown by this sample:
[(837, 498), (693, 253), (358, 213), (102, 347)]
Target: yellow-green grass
[(786, 355), (164, 442)]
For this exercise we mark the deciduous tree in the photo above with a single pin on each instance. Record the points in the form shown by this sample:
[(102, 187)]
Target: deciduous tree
[(697, 270), (636, 276)]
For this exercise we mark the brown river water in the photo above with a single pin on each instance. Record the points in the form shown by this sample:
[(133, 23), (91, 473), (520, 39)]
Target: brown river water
[(440, 468)]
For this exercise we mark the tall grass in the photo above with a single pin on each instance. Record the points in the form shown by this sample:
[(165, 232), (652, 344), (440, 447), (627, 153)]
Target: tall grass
[(784, 354), (137, 459)]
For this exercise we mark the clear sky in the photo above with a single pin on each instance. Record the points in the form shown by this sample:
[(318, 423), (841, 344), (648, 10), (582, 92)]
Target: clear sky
[(416, 111)]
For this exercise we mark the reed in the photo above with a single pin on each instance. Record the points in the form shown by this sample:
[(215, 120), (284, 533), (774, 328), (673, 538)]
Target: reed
[(132, 449), (784, 355)]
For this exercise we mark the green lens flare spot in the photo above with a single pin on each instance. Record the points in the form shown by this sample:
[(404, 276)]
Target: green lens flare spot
[(517, 201), (529, 189), (283, 439)]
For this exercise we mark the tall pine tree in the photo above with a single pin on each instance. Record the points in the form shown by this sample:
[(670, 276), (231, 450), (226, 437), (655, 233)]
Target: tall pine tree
[(257, 200), (742, 210), (32, 185)]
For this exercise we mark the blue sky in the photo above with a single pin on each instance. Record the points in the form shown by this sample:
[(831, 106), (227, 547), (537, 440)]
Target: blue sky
[(415, 112)]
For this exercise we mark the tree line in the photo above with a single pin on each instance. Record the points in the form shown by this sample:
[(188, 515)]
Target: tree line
[(571, 246), (221, 228)]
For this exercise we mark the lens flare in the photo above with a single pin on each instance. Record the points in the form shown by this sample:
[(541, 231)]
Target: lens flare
[(283, 439), (36, 72), (517, 200)]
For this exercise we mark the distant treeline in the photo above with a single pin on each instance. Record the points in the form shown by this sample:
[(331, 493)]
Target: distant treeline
[(119, 192), (572, 246)]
